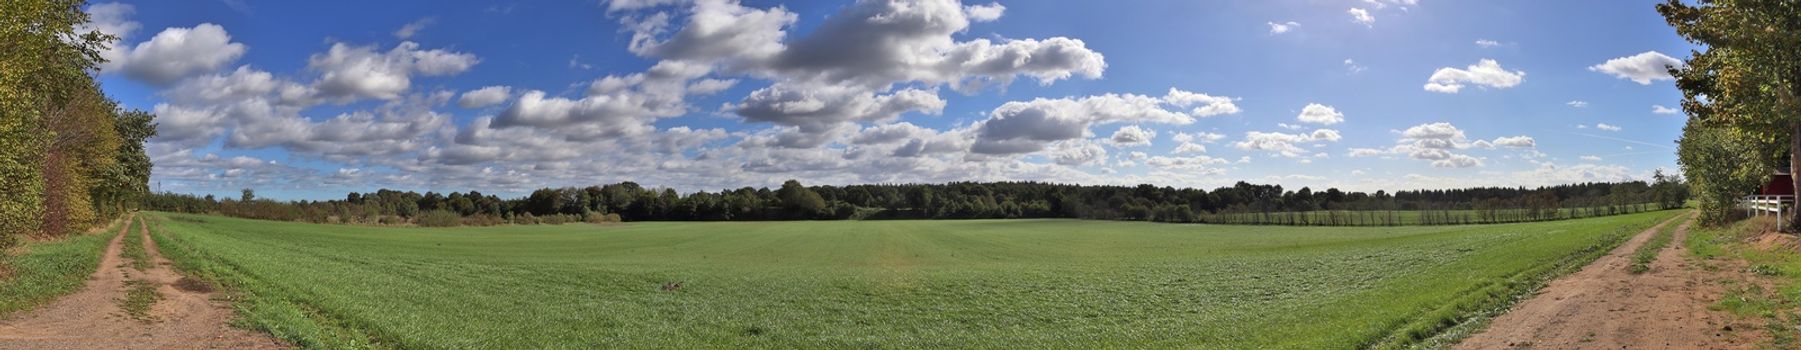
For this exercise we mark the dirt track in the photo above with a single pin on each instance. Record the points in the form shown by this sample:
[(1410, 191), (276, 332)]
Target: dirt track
[(1604, 306), (93, 319)]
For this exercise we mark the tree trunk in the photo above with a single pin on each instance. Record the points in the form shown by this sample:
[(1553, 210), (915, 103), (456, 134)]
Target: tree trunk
[(1794, 176)]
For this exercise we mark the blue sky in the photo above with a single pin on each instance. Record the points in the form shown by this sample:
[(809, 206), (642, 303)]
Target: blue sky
[(312, 99)]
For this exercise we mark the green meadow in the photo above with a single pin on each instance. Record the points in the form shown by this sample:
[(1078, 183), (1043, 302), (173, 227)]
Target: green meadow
[(878, 284)]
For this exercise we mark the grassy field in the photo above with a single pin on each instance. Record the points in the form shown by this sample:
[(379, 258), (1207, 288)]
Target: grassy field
[(886, 284), (44, 270)]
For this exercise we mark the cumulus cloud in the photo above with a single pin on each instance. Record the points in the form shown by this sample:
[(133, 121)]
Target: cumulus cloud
[(1361, 16), (483, 97), (1516, 142), (1608, 127), (1660, 109), (1578, 104), (1642, 68), (1132, 136), (1078, 153), (348, 72), (985, 13), (1284, 144), (1284, 27), (1024, 127), (1435, 142), (817, 109), (177, 53), (1487, 73), (1316, 113)]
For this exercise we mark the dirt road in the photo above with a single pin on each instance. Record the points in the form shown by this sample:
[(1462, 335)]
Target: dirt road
[(184, 318), (1604, 306)]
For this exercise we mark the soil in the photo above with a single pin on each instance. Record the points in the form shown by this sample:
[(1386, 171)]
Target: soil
[(1604, 306), (92, 318)]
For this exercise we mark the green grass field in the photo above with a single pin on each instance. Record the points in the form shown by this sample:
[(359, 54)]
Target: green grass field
[(883, 284)]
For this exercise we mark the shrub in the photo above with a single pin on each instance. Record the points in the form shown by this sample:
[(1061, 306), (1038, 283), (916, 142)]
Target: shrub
[(439, 218)]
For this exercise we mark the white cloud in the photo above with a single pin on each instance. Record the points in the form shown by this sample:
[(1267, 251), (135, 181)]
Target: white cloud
[(1351, 66), (1457, 161), (1642, 68), (1361, 16), (1204, 105), (1660, 109), (1365, 152), (824, 108), (1320, 114), (1516, 142), (1189, 148), (1591, 158), (1023, 127), (177, 53), (1578, 104), (1485, 43), (1132, 136), (1284, 144), (1605, 126), (1486, 73), (348, 72), (1193, 162), (1199, 137), (1079, 153), (985, 13), (407, 31), (483, 97), (1284, 27)]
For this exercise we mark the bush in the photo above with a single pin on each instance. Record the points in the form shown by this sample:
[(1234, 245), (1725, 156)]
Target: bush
[(439, 218), (599, 218)]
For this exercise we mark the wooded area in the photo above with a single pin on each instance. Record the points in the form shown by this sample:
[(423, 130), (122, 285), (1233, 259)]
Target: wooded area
[(1242, 203), (71, 159)]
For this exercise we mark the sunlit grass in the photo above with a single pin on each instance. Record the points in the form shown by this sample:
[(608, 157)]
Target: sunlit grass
[(48, 269), (886, 284)]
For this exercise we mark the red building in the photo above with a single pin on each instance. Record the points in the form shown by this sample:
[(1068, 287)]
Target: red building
[(1780, 184)]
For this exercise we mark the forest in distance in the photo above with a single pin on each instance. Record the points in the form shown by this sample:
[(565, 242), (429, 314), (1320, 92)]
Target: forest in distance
[(1242, 203)]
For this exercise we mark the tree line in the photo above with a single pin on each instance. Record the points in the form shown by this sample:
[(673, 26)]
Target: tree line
[(1242, 203), (70, 157)]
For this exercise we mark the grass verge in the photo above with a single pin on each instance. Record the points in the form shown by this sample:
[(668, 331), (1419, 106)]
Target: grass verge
[(45, 270), (1777, 265), (1642, 258)]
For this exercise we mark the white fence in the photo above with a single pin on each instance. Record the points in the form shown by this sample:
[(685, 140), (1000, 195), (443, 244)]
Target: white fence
[(1777, 205)]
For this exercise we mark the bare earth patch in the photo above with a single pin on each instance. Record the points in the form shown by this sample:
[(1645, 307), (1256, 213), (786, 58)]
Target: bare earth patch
[(1604, 306), (182, 318)]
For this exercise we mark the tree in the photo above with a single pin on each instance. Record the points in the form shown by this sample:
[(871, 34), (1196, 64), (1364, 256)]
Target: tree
[(247, 195), (1747, 78), (800, 200), (1720, 168)]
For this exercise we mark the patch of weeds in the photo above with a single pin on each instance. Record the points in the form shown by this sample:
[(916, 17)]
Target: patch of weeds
[(140, 295), (1763, 270), (1590, 337), (1647, 253)]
